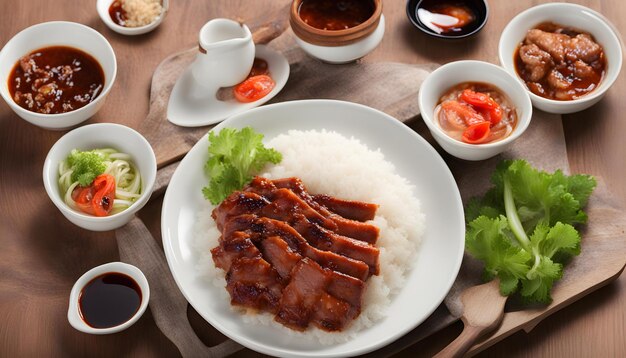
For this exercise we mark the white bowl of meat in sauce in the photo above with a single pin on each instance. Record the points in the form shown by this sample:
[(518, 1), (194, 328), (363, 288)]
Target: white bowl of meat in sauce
[(70, 68), (567, 55), (337, 32), (443, 91), (94, 136)]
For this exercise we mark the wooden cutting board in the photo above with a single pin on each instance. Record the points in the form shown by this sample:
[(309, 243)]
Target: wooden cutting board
[(604, 248)]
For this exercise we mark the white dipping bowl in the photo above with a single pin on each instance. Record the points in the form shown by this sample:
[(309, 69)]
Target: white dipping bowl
[(102, 6), (454, 73), (73, 312), (58, 33), (94, 136), (578, 17), (345, 53)]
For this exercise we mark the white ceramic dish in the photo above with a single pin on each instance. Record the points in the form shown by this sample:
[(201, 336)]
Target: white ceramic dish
[(193, 105), (346, 53), (436, 264), (102, 6), (453, 73), (578, 17), (101, 135), (58, 33), (73, 312)]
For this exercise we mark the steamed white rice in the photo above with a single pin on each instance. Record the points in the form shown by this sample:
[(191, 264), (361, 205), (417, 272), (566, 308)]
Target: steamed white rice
[(329, 163)]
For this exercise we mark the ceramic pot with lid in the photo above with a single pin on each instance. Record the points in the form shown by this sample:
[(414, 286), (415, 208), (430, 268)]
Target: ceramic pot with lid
[(337, 45)]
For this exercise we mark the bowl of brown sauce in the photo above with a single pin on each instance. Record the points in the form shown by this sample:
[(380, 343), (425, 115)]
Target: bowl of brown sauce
[(57, 74), (108, 298), (337, 31), (566, 55), (448, 19)]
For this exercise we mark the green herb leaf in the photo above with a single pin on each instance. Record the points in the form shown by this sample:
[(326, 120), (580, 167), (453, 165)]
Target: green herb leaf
[(489, 240), (527, 248), (234, 157), (86, 166)]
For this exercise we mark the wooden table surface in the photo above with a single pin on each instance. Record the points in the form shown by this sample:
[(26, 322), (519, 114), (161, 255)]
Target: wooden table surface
[(42, 254)]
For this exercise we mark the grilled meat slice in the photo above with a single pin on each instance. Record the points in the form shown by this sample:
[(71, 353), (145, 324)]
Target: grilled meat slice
[(278, 253), (353, 210), (261, 228), (253, 283), (302, 294), (236, 246), (329, 241)]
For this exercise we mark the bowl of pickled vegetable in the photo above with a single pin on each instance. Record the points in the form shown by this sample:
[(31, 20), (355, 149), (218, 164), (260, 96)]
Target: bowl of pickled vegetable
[(100, 175), (474, 110)]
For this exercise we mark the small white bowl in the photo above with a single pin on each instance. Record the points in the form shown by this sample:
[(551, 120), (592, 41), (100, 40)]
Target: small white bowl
[(58, 33), (454, 73), (93, 136), (578, 17), (103, 10), (345, 53), (73, 312)]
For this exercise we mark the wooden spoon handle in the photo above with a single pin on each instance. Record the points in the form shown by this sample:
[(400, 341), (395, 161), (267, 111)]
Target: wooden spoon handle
[(462, 343)]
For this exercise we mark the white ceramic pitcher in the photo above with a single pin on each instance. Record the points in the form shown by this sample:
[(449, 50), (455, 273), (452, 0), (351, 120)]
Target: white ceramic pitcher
[(225, 54)]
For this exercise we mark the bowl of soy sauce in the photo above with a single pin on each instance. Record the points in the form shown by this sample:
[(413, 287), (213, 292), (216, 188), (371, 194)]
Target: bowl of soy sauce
[(448, 19), (108, 298)]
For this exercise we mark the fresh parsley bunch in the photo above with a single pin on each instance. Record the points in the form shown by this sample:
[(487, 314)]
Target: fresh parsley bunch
[(522, 229), (234, 156)]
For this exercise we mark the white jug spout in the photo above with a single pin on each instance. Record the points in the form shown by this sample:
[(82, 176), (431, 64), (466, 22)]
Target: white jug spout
[(226, 53), (221, 34)]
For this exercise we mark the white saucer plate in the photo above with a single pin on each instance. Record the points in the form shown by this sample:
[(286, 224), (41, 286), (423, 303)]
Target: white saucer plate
[(193, 105)]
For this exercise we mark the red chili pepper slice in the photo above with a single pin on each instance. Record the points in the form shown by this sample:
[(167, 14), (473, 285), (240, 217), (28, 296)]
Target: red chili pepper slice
[(102, 202), (477, 133), (96, 199), (468, 114), (254, 88), (477, 99), (82, 196), (486, 105)]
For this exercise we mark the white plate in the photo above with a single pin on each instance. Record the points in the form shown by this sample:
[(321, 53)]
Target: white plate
[(192, 105), (436, 264)]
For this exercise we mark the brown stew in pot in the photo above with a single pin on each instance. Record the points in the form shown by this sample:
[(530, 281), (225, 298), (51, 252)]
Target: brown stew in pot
[(559, 62), (55, 79), (335, 15)]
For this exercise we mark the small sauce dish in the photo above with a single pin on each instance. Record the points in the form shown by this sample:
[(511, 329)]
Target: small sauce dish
[(113, 292), (103, 7), (448, 19), (353, 32), (454, 73)]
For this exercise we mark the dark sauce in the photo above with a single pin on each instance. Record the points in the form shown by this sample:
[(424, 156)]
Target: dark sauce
[(55, 79), (579, 86), (117, 13), (109, 300), (335, 15), (259, 67), (447, 17)]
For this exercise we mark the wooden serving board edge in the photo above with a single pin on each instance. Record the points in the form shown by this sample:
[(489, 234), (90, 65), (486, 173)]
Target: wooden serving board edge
[(509, 328)]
